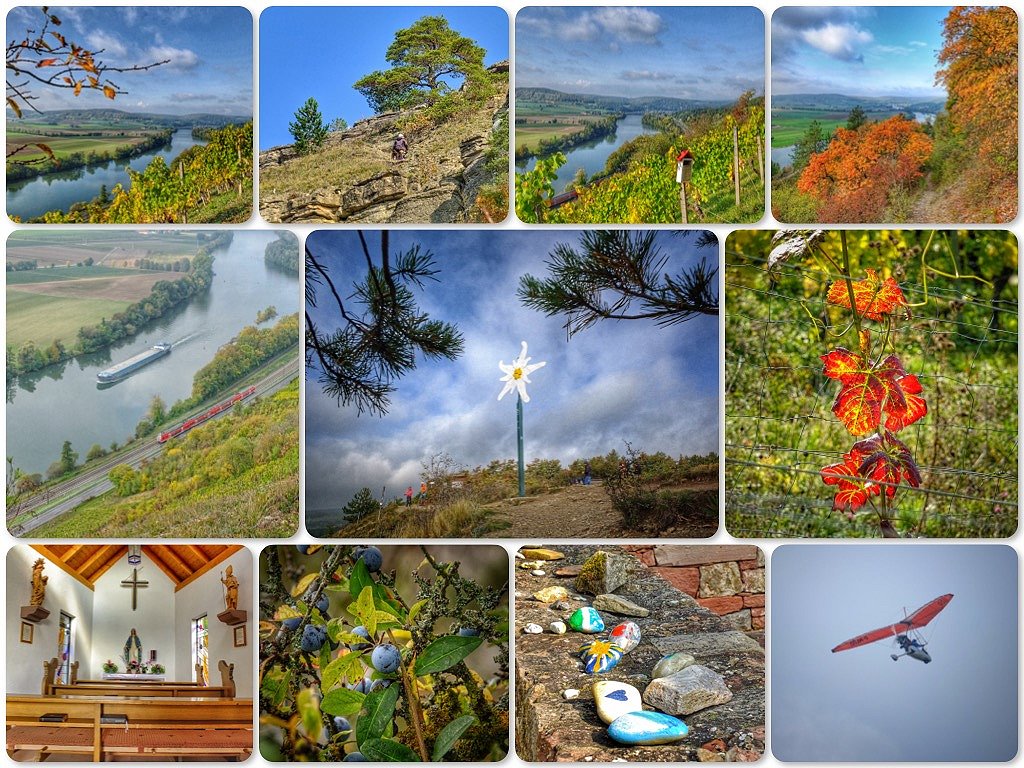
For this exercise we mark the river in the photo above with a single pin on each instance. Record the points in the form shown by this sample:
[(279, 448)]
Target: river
[(63, 402), (592, 156), (34, 197)]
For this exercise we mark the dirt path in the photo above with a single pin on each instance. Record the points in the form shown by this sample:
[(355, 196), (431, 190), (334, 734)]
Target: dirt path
[(927, 207), (576, 511)]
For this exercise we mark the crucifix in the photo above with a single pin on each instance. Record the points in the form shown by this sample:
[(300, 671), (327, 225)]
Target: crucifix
[(134, 583)]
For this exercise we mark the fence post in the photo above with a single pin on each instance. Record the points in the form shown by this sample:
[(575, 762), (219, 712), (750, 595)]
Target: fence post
[(736, 162)]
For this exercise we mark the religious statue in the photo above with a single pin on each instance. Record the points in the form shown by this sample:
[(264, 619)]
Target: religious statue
[(38, 582), (133, 650), (230, 583)]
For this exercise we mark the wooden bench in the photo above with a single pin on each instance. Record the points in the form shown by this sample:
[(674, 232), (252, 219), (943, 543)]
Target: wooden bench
[(160, 726), (147, 688)]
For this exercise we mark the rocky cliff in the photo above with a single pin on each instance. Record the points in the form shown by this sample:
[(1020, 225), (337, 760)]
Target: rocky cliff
[(352, 178)]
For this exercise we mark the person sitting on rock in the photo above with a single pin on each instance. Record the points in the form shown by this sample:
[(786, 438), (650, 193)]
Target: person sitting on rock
[(399, 148)]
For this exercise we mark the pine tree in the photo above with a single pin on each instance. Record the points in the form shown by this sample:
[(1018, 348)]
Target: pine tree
[(308, 130)]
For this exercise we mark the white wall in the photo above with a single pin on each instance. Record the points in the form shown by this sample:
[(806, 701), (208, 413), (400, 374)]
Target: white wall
[(153, 619), (206, 595), (63, 593)]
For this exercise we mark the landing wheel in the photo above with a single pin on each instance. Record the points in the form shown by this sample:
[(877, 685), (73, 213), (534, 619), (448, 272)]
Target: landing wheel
[(894, 657)]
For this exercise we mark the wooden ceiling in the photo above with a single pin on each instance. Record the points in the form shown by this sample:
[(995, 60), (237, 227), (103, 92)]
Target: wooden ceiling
[(182, 563)]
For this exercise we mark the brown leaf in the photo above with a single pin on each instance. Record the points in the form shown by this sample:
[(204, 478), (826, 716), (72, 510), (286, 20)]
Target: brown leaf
[(109, 92)]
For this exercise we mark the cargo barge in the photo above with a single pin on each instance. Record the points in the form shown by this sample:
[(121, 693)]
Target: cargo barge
[(195, 421), (132, 364)]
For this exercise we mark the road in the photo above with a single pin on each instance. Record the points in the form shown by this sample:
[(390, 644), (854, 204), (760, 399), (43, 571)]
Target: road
[(56, 500)]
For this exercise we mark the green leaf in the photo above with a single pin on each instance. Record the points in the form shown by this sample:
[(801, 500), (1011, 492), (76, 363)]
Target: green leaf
[(415, 610), (449, 735), (388, 751), (359, 578), (309, 713), (348, 666), (444, 653), (342, 702), (275, 686), (378, 709), (365, 610)]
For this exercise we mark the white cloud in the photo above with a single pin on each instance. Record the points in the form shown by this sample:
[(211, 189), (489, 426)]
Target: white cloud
[(615, 26), (840, 41), (109, 44), (180, 58)]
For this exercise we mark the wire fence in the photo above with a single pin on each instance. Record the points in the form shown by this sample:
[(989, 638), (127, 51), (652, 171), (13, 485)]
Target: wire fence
[(960, 340)]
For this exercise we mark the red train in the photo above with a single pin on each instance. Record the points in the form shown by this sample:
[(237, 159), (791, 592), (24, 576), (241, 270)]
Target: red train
[(195, 421)]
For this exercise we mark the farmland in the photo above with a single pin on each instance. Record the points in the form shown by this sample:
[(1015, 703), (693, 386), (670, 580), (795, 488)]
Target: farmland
[(67, 141), (533, 129), (43, 319), (789, 125), (110, 249)]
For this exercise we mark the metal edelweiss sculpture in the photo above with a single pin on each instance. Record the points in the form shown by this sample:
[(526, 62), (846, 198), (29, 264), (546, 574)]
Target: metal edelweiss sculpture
[(517, 376)]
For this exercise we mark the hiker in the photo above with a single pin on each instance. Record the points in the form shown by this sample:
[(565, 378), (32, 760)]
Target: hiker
[(423, 492), (408, 496), (586, 473), (399, 149)]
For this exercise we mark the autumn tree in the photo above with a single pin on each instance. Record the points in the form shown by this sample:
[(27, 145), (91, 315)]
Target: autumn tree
[(979, 72), (44, 57), (623, 275), (421, 57), (859, 171), (308, 130), (379, 327)]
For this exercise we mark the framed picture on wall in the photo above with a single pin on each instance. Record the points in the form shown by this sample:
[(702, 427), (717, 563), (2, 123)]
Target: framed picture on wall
[(240, 636), (27, 630)]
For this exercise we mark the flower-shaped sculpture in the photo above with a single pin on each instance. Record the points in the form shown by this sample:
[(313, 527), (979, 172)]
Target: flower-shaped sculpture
[(517, 374)]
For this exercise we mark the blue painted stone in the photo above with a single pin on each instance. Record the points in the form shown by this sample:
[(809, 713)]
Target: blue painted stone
[(600, 655), (586, 620), (645, 728)]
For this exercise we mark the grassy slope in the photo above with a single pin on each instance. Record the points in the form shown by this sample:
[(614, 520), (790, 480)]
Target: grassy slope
[(197, 494), (45, 318)]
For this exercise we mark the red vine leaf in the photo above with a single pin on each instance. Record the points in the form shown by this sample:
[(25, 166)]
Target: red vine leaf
[(874, 296), (871, 465), (868, 390)]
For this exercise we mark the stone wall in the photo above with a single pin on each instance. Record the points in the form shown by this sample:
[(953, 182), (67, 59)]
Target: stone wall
[(726, 579)]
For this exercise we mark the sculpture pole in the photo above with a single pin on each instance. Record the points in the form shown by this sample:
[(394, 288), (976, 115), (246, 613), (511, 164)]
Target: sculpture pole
[(519, 436)]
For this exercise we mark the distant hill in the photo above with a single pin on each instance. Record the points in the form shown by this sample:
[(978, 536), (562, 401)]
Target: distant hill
[(843, 102), (635, 104), (140, 119)]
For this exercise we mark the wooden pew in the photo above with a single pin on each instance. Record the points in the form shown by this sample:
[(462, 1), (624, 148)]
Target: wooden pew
[(162, 727), (148, 688)]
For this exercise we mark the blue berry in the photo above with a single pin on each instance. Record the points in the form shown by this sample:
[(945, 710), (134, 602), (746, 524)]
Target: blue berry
[(371, 556), (469, 632), (361, 632), (342, 725), (385, 658), (323, 604), (313, 638), (363, 686), (303, 548), (354, 757), (292, 624)]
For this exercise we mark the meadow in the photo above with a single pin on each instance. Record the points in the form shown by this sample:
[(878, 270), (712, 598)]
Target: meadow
[(43, 319), (790, 125), (532, 129), (68, 142)]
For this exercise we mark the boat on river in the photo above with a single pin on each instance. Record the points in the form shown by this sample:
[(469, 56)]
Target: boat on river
[(132, 364)]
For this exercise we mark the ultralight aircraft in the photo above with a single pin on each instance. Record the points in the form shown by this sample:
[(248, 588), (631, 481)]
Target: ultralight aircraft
[(906, 632)]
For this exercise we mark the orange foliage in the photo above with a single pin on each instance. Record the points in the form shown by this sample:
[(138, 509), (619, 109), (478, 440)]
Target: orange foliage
[(858, 170), (979, 55)]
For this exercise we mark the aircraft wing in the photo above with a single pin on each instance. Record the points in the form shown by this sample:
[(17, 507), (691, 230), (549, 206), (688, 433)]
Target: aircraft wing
[(917, 619), (868, 637)]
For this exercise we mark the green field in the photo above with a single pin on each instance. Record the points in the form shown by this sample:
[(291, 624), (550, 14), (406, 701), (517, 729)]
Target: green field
[(63, 146), (549, 126), (65, 273), (789, 125), (42, 319)]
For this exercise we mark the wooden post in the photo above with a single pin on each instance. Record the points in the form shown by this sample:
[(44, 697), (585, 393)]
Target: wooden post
[(736, 162), (682, 200), (760, 161)]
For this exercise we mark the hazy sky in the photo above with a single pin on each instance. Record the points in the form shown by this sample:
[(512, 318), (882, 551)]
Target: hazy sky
[(210, 53), (857, 50), (616, 381), (859, 705), (321, 52), (688, 53)]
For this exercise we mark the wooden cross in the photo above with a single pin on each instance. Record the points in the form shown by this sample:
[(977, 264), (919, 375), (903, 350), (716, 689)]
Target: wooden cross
[(134, 583)]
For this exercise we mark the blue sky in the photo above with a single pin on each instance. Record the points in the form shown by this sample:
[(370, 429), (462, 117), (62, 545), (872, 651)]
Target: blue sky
[(859, 705), (629, 380), (321, 52), (857, 50), (210, 52), (688, 53)]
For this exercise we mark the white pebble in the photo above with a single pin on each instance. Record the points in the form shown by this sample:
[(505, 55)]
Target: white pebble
[(557, 627), (538, 572), (570, 693), (533, 629), (588, 759)]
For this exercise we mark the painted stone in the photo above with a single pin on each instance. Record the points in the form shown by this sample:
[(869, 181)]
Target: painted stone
[(557, 627), (626, 635), (674, 662), (619, 605), (529, 565), (587, 620), (600, 656), (533, 629), (541, 554), (645, 728), (551, 594), (614, 699)]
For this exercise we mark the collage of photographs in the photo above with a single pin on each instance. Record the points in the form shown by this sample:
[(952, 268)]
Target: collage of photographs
[(506, 383)]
